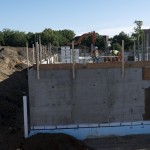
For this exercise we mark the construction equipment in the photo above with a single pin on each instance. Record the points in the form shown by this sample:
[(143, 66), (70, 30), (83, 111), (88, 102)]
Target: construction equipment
[(78, 39)]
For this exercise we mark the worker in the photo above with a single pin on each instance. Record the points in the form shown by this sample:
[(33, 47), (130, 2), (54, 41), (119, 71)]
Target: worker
[(93, 56), (96, 55), (114, 52), (117, 54)]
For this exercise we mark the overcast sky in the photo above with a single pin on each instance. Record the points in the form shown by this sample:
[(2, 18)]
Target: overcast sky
[(107, 17)]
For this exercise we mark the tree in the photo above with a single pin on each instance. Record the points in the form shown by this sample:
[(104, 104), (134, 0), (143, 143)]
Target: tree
[(7, 33), (100, 42), (18, 39), (49, 36), (68, 34), (116, 41), (14, 38), (1, 38), (138, 33), (116, 46), (30, 38), (60, 37)]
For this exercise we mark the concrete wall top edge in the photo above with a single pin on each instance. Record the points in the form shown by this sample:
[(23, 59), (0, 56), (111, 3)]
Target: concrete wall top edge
[(139, 64)]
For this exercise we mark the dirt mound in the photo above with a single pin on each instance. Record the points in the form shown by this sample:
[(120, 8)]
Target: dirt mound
[(130, 142), (13, 59), (52, 142)]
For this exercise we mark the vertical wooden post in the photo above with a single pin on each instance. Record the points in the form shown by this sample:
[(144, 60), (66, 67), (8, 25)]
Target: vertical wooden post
[(40, 50), (33, 53), (134, 50), (50, 48), (27, 54), (37, 58), (147, 46), (44, 51), (57, 53), (84, 54), (49, 52), (138, 49), (25, 116), (122, 58), (73, 65), (143, 50)]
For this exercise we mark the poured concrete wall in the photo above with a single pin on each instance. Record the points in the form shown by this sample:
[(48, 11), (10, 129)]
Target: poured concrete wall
[(94, 96)]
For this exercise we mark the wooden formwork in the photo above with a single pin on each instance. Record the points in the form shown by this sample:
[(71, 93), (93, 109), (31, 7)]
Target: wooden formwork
[(145, 65), (146, 73), (140, 64)]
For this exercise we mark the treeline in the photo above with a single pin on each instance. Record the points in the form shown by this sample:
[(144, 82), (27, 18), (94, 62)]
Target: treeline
[(14, 38)]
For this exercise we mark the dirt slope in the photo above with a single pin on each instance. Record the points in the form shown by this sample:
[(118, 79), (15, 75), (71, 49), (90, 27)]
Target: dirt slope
[(13, 85)]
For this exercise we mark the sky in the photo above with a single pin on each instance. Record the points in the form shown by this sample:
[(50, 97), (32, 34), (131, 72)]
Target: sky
[(106, 17)]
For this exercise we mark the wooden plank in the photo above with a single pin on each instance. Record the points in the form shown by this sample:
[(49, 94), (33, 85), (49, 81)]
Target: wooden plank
[(93, 65), (146, 73)]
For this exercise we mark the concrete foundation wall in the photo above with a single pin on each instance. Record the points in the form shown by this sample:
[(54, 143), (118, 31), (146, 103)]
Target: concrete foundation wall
[(94, 96)]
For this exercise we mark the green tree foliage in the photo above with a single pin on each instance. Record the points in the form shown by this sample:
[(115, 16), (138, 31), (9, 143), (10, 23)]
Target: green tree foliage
[(100, 42), (14, 38), (116, 46), (138, 32), (19, 39), (1, 38), (10, 37), (7, 33), (30, 38), (60, 37), (66, 35), (48, 36), (116, 41)]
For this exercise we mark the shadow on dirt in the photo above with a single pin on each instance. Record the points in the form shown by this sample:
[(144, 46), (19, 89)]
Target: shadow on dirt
[(11, 120)]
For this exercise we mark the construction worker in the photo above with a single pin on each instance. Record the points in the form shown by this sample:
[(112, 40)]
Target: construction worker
[(93, 56), (117, 54), (96, 55)]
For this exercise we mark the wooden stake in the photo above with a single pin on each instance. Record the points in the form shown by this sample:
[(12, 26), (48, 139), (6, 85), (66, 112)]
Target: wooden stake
[(37, 58), (45, 53), (40, 49), (122, 58), (25, 113), (27, 54), (33, 53), (147, 44), (73, 64), (134, 50), (49, 52)]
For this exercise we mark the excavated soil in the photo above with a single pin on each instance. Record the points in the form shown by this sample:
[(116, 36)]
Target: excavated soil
[(13, 85)]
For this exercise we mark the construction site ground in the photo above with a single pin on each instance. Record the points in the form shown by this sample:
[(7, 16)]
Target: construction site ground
[(13, 85)]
